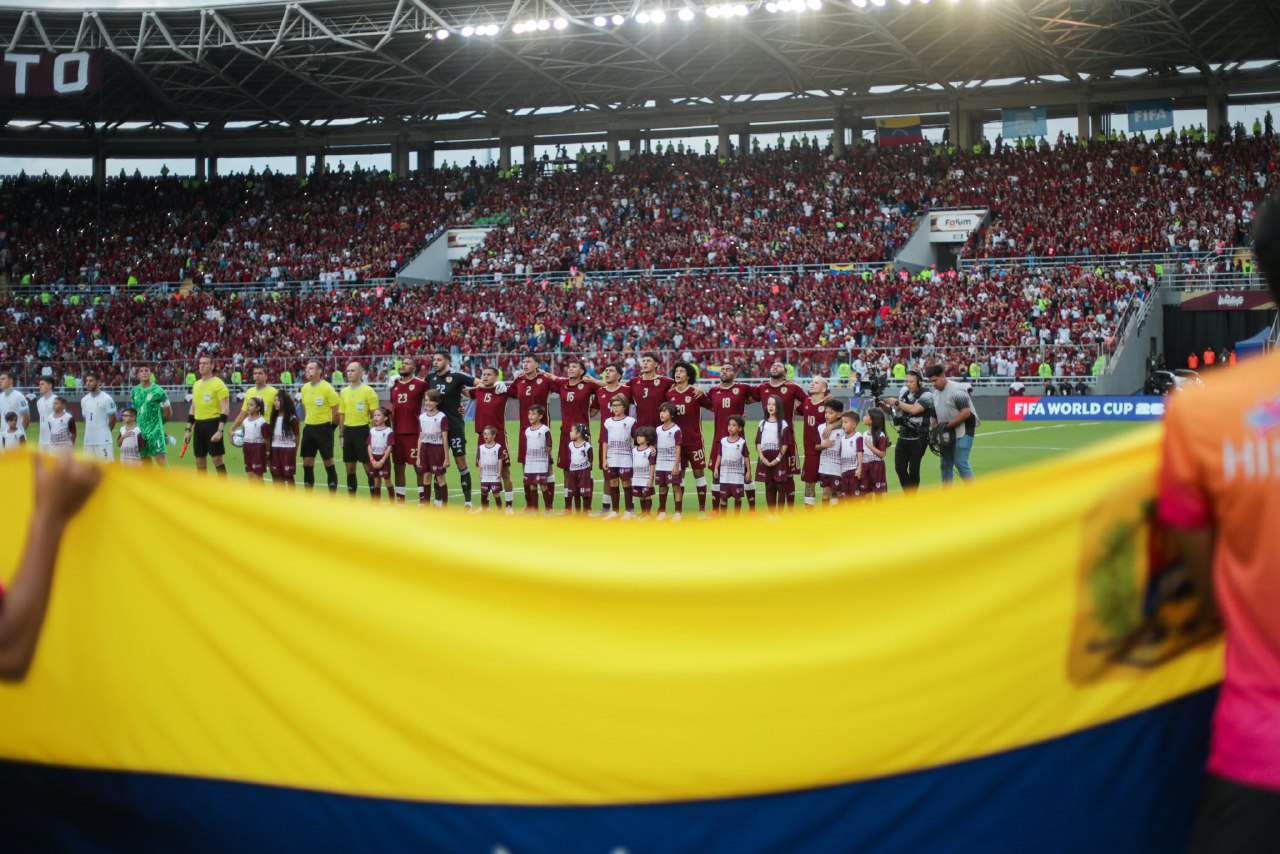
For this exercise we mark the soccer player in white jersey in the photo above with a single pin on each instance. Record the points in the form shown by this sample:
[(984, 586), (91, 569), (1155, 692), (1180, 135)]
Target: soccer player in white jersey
[(578, 484), (12, 400), (537, 461), (494, 463), (62, 426), (619, 429), (99, 413), (829, 451), (44, 408), (128, 438), (732, 464), (669, 468)]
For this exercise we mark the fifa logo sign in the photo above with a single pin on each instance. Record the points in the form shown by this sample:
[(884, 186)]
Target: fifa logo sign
[(1151, 116)]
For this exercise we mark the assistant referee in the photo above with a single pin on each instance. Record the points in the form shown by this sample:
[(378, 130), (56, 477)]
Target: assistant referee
[(357, 402), (320, 403), (210, 406)]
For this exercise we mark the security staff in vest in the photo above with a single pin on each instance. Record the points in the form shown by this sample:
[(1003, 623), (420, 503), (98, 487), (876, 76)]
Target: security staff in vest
[(207, 420), (911, 412), (956, 420)]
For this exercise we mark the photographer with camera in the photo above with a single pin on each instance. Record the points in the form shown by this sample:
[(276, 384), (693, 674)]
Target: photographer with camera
[(911, 411), (956, 422)]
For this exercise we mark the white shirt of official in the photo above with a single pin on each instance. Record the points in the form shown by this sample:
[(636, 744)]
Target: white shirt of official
[(44, 409), (97, 409)]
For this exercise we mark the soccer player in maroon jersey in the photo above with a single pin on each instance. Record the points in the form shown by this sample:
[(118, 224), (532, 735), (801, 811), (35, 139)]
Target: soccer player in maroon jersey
[(649, 391), (789, 395), (613, 387), (491, 398), (406, 392), (811, 412), (531, 387), (687, 399), (726, 400), (577, 394)]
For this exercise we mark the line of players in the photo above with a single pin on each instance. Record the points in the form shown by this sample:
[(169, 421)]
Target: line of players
[(665, 430)]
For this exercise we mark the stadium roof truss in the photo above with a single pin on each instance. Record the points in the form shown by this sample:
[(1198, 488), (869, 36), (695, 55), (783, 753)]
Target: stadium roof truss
[(311, 65)]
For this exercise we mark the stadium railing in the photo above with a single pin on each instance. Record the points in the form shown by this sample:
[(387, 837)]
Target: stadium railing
[(746, 272), (1211, 281), (1171, 261)]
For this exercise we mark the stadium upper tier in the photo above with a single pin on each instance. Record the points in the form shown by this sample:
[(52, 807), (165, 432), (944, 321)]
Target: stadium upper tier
[(797, 205), (1008, 321)]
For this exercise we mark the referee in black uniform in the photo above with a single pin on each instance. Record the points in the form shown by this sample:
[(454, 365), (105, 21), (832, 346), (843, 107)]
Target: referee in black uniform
[(450, 385)]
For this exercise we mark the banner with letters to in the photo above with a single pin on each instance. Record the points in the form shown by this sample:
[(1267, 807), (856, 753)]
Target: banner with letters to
[(954, 226), (1067, 408), (229, 666), (35, 74), (1232, 300), (1150, 115), (1024, 122)]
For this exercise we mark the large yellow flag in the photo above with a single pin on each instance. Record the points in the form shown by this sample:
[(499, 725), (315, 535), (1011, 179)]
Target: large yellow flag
[(228, 664)]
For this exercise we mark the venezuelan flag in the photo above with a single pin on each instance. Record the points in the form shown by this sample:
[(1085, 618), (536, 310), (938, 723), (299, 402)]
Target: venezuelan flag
[(899, 130), (248, 669)]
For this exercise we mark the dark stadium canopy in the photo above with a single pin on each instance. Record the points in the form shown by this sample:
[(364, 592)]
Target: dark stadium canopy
[(313, 60)]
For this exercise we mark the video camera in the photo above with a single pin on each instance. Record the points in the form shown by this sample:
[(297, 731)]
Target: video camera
[(876, 385)]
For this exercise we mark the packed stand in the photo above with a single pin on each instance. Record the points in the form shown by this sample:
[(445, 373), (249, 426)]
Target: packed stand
[(817, 321)]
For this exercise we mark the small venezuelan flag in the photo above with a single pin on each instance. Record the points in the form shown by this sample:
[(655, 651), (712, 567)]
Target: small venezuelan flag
[(899, 130)]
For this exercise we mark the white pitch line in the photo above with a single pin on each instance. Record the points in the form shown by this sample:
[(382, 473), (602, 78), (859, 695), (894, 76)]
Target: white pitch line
[(1023, 448), (982, 433)]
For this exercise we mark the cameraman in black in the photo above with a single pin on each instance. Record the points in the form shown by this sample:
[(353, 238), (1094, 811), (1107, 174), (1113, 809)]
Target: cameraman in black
[(911, 411)]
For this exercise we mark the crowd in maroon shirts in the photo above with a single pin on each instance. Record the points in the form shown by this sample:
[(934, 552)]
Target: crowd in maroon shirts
[(241, 228), (655, 211), (814, 321)]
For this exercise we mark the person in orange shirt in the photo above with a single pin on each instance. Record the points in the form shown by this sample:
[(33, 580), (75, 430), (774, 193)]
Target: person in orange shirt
[(1209, 357), (1193, 361), (1220, 495)]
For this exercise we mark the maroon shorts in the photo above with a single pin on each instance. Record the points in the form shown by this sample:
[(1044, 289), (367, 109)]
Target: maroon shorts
[(642, 492), (732, 490), (431, 459), (771, 474), (874, 478), (493, 487), (668, 478), (578, 482), (379, 475), (850, 486), (404, 449), (255, 458), (284, 462), (833, 482), (618, 473), (811, 460), (693, 456), (531, 479)]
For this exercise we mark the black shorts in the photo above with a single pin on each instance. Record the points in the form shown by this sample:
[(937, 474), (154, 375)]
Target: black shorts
[(201, 439), (355, 444), (317, 441), (1236, 817), (457, 438)]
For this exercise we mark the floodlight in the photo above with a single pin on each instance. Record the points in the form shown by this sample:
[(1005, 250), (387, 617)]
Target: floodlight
[(713, 11), (468, 32), (442, 34), (544, 24), (814, 5), (559, 23), (685, 14), (740, 10), (657, 17), (618, 20), (771, 8)]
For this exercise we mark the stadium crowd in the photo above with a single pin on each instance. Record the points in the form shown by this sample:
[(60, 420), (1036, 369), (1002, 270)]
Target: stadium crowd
[(784, 206), (1005, 321)]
